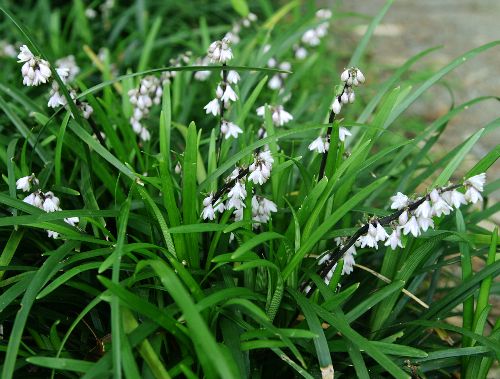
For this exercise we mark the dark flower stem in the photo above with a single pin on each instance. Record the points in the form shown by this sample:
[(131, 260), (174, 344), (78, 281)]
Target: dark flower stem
[(338, 252), (222, 109), (331, 119), (243, 172)]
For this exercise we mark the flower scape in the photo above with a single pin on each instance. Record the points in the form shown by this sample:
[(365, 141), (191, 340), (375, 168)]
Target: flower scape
[(235, 193)]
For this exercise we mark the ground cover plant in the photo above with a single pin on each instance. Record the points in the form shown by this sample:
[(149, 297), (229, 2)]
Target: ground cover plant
[(195, 189)]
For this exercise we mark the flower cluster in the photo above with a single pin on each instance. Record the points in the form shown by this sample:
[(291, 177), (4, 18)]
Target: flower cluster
[(220, 51), (417, 217), (351, 77), (224, 93), (149, 92), (45, 201), (312, 37), (35, 70), (232, 38), (258, 173)]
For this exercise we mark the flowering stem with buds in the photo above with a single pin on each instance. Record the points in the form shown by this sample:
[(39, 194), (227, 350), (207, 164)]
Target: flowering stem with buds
[(338, 252), (331, 119), (222, 108), (243, 172)]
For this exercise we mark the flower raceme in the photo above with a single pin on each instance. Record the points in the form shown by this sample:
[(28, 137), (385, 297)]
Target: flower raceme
[(418, 219), (410, 218), (351, 77)]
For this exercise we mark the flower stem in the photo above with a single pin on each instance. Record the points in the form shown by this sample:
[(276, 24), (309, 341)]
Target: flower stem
[(338, 252)]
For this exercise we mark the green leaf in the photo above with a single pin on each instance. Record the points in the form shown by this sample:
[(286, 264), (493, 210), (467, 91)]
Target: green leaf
[(241, 7)]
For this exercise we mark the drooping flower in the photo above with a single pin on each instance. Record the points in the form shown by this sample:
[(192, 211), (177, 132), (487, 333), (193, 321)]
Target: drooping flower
[(381, 234), (439, 206), (229, 129), (26, 182), (260, 169), (320, 145), (476, 181), (425, 223), (399, 201), (343, 133), (35, 70), (279, 115), (50, 202), (454, 198), (349, 262), (412, 227), (220, 51), (394, 239), (336, 106), (424, 210)]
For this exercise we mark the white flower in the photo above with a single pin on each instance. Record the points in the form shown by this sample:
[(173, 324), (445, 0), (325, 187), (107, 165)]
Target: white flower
[(472, 195), (72, 220), (311, 38), (454, 198), (68, 63), (403, 218), (230, 129), (237, 196), (275, 82), (411, 227), (144, 134), (213, 107), (343, 133), (26, 182), (280, 116), (300, 53), (424, 223), (369, 238), (208, 212), (51, 202), (381, 234), (345, 75), (178, 168), (336, 106), (52, 234), (278, 113), (25, 54), (394, 239), (219, 207), (324, 14), (477, 181), (220, 52), (229, 95), (34, 199), (90, 13), (349, 262), (424, 210), (56, 99), (262, 209), (399, 201), (439, 206), (359, 76), (260, 169), (320, 145), (233, 77)]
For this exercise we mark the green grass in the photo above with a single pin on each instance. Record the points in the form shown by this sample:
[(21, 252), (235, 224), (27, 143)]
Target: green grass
[(143, 287)]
